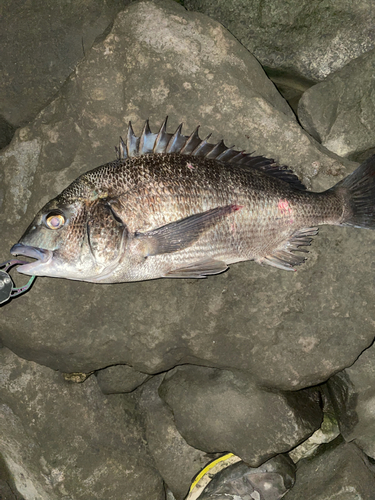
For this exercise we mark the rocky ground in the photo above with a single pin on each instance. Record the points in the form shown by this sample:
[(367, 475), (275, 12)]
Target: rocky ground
[(127, 391)]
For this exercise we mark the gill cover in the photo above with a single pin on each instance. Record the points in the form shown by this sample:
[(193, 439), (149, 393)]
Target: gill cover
[(106, 233)]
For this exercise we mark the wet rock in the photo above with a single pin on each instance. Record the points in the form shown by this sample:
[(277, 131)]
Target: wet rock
[(341, 472), (120, 378), (176, 461), (297, 42), (255, 319), (41, 42), (217, 411), (339, 112), (353, 396), (69, 441)]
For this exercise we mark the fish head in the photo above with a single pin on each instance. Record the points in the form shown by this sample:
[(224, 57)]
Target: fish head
[(79, 239)]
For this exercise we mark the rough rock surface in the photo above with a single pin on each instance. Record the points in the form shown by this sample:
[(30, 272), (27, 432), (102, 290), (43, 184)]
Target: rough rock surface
[(299, 38), (288, 330), (217, 411), (342, 472), (41, 43), (69, 441), (120, 378), (176, 461), (340, 112), (353, 396)]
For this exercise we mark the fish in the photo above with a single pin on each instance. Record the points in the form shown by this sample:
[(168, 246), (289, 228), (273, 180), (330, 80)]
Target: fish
[(176, 206)]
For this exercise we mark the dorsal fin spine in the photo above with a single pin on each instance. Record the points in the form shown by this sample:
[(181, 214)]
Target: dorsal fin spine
[(191, 142), (162, 138), (199, 149), (142, 148), (131, 142), (173, 144), (217, 150)]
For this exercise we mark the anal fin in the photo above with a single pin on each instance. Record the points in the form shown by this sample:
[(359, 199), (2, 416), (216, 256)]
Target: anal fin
[(283, 258), (200, 269)]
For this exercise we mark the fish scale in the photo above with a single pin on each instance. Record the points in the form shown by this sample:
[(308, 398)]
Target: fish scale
[(178, 206)]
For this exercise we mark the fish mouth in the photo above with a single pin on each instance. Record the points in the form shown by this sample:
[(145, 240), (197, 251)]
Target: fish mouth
[(41, 255)]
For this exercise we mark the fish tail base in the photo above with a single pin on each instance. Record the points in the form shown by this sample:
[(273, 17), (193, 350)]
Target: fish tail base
[(358, 193)]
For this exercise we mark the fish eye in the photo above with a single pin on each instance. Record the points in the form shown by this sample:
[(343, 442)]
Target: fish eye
[(54, 220)]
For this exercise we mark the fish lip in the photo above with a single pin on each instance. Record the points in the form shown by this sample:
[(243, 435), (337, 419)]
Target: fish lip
[(42, 256)]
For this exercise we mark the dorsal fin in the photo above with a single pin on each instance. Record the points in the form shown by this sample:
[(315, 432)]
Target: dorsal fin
[(162, 142)]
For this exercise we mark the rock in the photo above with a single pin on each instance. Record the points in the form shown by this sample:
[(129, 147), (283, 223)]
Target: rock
[(6, 132), (27, 474), (69, 441), (120, 378), (339, 112), (42, 41), (258, 320), (353, 394), (169, 494), (341, 472), (176, 461), (218, 410), (329, 430), (297, 42), (8, 490)]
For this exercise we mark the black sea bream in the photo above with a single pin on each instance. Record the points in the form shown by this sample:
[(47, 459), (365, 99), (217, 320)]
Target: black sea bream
[(176, 206)]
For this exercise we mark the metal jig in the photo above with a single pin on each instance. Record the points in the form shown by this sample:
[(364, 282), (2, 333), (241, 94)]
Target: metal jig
[(7, 289)]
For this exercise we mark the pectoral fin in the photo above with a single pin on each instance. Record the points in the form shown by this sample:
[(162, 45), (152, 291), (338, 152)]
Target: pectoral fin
[(184, 232)]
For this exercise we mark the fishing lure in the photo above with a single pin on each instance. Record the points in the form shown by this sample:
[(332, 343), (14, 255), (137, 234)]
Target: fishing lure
[(8, 290)]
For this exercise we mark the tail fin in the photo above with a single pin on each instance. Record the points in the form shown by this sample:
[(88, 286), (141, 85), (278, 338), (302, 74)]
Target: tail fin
[(358, 191)]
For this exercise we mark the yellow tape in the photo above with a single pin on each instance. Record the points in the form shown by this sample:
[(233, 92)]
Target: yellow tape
[(208, 467)]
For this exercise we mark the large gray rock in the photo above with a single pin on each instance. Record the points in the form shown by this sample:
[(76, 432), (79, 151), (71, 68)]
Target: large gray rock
[(299, 40), (159, 59), (342, 472), (177, 462), (217, 411), (340, 112), (353, 396), (41, 43), (69, 441)]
